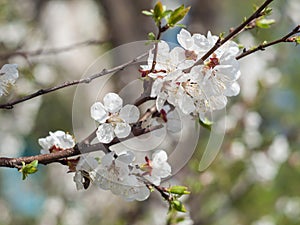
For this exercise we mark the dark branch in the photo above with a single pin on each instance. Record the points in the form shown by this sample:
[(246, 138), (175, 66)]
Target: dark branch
[(80, 148), (87, 80), (160, 31), (261, 47), (235, 31)]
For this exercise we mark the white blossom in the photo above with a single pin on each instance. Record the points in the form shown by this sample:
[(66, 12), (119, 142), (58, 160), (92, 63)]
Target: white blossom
[(201, 88), (121, 176), (8, 76), (58, 140), (158, 167), (85, 169), (113, 118), (172, 118), (195, 45), (114, 174), (167, 61)]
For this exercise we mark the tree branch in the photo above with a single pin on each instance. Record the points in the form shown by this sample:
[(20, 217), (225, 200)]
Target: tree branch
[(160, 31), (78, 149), (262, 47), (43, 158), (234, 32), (10, 105), (50, 51)]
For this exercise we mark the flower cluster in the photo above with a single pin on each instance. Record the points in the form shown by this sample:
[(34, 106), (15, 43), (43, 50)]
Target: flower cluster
[(8, 76), (194, 89), (56, 141), (118, 174), (114, 119)]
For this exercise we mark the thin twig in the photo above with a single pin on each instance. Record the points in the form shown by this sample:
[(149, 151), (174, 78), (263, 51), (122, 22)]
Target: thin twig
[(160, 31), (162, 191), (10, 105), (148, 113), (234, 32), (261, 47), (50, 51)]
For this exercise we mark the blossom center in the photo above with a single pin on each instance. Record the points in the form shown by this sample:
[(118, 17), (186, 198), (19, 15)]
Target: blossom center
[(190, 55), (213, 61)]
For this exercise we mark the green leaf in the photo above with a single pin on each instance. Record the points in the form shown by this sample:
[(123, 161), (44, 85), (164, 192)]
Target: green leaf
[(206, 123), (158, 12), (180, 190), (151, 36), (221, 35), (178, 206), (264, 23), (34, 163), (180, 25), (179, 219), (267, 11), (177, 15), (28, 168), (147, 13), (166, 13)]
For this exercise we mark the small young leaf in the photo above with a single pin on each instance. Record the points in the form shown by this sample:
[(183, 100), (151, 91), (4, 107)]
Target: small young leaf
[(297, 40), (158, 11), (179, 219), (178, 206), (206, 123), (267, 11), (180, 190), (264, 23), (166, 13), (147, 13), (180, 25), (151, 36), (221, 35), (177, 15), (34, 163), (28, 169)]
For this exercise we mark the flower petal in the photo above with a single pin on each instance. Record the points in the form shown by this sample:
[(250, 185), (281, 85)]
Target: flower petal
[(98, 112), (217, 102), (156, 87), (126, 157), (160, 101), (8, 75), (122, 130), (130, 113), (184, 38), (186, 104), (10, 72), (173, 122), (232, 90), (158, 157), (78, 179), (62, 140), (105, 133), (46, 144), (112, 102)]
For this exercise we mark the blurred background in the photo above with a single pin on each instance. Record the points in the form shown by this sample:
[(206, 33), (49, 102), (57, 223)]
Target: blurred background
[(255, 179)]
